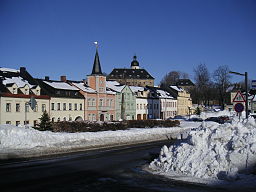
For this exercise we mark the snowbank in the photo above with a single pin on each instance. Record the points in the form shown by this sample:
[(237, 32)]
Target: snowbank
[(212, 152), (20, 141)]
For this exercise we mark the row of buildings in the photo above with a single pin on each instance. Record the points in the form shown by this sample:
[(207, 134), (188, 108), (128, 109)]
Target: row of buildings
[(123, 94)]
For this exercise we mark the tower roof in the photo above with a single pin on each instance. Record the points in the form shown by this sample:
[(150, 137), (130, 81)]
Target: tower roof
[(96, 70), (134, 62)]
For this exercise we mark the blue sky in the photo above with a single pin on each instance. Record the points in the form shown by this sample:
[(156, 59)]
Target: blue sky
[(55, 37)]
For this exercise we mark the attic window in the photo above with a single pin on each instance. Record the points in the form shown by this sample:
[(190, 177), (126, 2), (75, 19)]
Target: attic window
[(133, 71), (138, 75), (112, 75), (130, 75), (147, 76), (116, 71), (141, 71), (124, 71)]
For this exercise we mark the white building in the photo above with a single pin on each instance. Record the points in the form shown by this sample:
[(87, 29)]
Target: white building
[(17, 87)]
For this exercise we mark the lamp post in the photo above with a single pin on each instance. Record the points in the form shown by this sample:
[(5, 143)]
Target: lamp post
[(246, 90)]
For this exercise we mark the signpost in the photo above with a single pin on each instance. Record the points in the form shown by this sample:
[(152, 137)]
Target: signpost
[(239, 107), (239, 97)]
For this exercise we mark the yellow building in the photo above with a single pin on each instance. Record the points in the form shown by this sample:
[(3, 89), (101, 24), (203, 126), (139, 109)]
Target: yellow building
[(184, 101)]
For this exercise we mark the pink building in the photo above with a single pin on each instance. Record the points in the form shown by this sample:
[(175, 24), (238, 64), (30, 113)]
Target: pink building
[(99, 103)]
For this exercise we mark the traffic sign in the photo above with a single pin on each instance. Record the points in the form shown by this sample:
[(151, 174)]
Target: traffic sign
[(254, 84), (239, 97), (239, 107), (32, 102)]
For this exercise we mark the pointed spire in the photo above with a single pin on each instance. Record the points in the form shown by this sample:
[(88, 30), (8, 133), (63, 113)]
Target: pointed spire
[(96, 70)]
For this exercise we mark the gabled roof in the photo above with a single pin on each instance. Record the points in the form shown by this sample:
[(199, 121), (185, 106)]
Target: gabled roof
[(84, 87), (61, 85), (185, 82), (120, 73)]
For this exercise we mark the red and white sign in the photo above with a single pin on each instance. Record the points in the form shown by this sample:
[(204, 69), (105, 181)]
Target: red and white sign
[(239, 97)]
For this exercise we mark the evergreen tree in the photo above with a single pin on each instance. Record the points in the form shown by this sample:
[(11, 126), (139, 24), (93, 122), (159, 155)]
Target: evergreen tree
[(198, 111), (45, 122)]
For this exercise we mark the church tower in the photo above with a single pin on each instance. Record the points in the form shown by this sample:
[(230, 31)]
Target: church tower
[(97, 80)]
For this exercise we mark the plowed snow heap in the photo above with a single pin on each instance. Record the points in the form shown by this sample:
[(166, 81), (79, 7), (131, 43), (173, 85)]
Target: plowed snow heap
[(212, 151)]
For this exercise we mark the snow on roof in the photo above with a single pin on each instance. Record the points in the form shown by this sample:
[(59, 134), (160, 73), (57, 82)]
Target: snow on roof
[(164, 94), (114, 85), (84, 88), (136, 88), (177, 88), (9, 70), (61, 85), (20, 82)]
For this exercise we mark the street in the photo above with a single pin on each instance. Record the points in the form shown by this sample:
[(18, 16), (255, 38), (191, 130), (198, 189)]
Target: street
[(118, 169)]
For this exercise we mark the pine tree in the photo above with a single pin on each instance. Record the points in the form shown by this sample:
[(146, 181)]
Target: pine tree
[(45, 122), (198, 111)]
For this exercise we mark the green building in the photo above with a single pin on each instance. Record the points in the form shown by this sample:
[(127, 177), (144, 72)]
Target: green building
[(125, 100)]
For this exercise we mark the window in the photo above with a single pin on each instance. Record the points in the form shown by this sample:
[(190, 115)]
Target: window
[(81, 106), (140, 106), (89, 102), (26, 122), (70, 106), (75, 107), (70, 119), (35, 123), (43, 107), (17, 123), (101, 102), (64, 106), (36, 108), (14, 90), (8, 122), (53, 119), (64, 119), (108, 103), (93, 102), (52, 107), (26, 107), (58, 106), (17, 107), (137, 106), (8, 107), (26, 91)]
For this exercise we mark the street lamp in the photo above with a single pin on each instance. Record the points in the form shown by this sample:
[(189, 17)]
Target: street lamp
[(246, 90)]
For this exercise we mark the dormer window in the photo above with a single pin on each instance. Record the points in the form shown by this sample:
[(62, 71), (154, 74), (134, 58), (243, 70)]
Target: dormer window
[(14, 90), (26, 91)]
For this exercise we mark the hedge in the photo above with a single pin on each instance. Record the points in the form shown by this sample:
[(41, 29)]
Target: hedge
[(86, 126)]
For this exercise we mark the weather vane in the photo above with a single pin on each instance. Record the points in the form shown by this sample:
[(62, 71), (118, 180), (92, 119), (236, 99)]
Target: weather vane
[(96, 44)]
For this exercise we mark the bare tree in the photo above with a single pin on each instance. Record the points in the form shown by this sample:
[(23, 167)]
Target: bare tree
[(222, 78), (203, 84), (172, 78)]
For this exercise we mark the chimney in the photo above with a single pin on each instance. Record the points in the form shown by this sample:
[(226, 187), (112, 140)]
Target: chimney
[(22, 70), (46, 78), (63, 78)]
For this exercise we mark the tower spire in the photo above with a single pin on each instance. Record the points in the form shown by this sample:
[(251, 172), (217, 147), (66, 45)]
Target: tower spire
[(96, 70)]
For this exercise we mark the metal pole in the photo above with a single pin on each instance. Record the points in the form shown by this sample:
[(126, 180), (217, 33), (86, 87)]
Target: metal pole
[(246, 96)]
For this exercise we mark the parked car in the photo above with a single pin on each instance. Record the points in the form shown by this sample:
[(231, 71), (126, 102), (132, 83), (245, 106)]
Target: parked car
[(220, 119), (196, 119), (177, 117)]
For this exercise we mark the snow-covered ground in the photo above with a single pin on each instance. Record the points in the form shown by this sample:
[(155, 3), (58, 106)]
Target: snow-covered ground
[(213, 154), (18, 142)]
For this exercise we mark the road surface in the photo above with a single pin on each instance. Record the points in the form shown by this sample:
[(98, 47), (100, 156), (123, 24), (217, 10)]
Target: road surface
[(118, 169)]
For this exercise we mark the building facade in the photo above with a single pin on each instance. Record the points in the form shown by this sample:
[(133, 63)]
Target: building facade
[(133, 76)]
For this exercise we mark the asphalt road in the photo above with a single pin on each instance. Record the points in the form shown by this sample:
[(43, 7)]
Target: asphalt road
[(117, 169)]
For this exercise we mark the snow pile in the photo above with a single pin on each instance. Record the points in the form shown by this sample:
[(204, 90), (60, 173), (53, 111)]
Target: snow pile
[(212, 151), (21, 141)]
